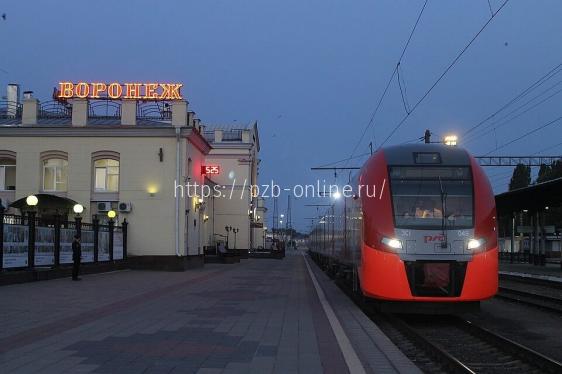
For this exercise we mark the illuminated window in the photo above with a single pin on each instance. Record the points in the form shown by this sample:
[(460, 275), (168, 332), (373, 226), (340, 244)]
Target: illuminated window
[(7, 174), (55, 174), (106, 175)]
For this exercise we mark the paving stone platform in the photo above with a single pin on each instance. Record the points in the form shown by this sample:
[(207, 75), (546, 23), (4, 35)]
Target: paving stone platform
[(259, 316)]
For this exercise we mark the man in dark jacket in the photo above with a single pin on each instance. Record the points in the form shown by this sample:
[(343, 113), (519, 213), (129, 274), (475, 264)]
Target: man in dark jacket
[(76, 255)]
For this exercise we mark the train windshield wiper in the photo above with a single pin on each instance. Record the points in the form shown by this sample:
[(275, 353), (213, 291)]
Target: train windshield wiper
[(444, 243)]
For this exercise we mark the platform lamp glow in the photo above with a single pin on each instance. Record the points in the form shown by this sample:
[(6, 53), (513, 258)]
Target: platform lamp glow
[(111, 214), (32, 200), (78, 208)]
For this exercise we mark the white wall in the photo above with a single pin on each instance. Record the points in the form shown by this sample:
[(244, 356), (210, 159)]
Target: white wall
[(152, 219)]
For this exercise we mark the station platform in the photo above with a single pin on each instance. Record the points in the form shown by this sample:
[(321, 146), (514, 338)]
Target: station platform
[(549, 272), (257, 316)]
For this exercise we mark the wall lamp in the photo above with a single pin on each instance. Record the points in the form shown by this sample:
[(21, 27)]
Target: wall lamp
[(200, 204)]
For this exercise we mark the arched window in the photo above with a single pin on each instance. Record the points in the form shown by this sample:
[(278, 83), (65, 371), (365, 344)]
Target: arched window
[(106, 175), (7, 171), (55, 174), (55, 171), (106, 171)]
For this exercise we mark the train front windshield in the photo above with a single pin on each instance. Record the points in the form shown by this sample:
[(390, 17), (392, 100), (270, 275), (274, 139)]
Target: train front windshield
[(423, 195)]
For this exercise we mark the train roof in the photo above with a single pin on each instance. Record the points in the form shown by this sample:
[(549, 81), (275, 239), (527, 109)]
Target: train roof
[(426, 154)]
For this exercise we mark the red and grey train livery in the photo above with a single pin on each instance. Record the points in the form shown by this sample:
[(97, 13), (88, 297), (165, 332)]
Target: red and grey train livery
[(419, 227)]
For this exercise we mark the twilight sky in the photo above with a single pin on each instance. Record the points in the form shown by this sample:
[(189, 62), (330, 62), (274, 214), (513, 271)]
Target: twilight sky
[(310, 72)]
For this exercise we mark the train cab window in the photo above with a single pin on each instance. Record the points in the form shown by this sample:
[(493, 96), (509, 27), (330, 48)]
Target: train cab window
[(428, 197)]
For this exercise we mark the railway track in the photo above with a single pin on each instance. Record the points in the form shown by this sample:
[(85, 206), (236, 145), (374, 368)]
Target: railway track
[(464, 347), (548, 303), (450, 344)]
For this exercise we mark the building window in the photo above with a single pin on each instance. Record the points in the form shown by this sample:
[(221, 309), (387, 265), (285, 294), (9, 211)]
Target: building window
[(7, 174), (106, 175), (55, 174)]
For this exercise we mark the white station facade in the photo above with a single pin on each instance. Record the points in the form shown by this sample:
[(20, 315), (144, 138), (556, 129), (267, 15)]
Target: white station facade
[(133, 148)]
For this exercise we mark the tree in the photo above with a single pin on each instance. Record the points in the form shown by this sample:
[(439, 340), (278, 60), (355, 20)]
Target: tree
[(521, 177), (550, 172), (556, 169), (545, 172)]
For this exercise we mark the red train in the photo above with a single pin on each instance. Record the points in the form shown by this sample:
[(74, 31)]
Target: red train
[(419, 229)]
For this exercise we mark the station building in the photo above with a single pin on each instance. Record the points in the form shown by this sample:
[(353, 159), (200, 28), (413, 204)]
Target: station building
[(235, 150), (126, 154)]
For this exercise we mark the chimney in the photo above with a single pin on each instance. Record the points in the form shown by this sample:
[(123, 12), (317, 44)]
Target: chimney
[(218, 136), (79, 112), (190, 118), (128, 112), (30, 109), (13, 98), (246, 136), (179, 113)]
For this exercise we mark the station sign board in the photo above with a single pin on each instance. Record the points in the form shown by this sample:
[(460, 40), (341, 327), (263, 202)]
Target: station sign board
[(210, 169), (118, 91)]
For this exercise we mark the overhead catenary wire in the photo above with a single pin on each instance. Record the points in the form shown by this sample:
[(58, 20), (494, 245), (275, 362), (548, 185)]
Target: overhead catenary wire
[(403, 93), (449, 67), (547, 148), (490, 6), (525, 135), (488, 129), (385, 91), (345, 159), (549, 75)]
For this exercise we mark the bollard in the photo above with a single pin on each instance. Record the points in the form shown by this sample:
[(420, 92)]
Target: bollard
[(31, 240), (1, 236), (96, 226), (57, 239)]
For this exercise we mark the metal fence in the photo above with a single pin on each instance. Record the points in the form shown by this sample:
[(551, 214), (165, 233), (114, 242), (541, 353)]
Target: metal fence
[(29, 242)]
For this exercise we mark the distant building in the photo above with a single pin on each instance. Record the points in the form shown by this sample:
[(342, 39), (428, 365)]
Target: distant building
[(235, 149)]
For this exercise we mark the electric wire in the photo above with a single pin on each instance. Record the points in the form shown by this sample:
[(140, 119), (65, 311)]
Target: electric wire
[(345, 159), (449, 67), (501, 124), (551, 73), (394, 71), (525, 135), (547, 148)]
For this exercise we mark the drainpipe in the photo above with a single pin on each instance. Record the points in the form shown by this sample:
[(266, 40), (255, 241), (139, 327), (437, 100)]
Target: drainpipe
[(178, 176)]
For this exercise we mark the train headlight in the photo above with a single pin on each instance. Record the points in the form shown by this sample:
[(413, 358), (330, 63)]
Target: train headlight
[(474, 244), (392, 243)]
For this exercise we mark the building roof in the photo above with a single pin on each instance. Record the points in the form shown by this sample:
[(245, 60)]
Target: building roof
[(535, 197), (92, 121), (232, 133), (228, 126)]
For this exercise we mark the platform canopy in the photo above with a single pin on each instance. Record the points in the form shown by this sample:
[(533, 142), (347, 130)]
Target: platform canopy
[(46, 201), (533, 198)]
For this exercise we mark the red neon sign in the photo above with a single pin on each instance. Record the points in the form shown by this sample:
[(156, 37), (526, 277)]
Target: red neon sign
[(115, 90), (210, 169)]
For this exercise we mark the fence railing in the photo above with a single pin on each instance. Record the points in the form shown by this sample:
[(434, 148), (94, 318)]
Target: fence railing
[(28, 241)]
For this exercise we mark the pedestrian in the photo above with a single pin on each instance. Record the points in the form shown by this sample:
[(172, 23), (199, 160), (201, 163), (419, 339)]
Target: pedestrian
[(76, 255)]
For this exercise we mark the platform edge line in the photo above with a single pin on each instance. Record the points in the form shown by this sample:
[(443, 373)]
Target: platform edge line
[(352, 361)]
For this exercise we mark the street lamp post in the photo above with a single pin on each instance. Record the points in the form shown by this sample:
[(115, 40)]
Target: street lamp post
[(235, 231), (32, 202), (227, 228), (111, 225), (78, 209)]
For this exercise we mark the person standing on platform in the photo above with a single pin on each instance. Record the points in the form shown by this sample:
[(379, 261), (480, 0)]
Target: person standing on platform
[(76, 256)]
